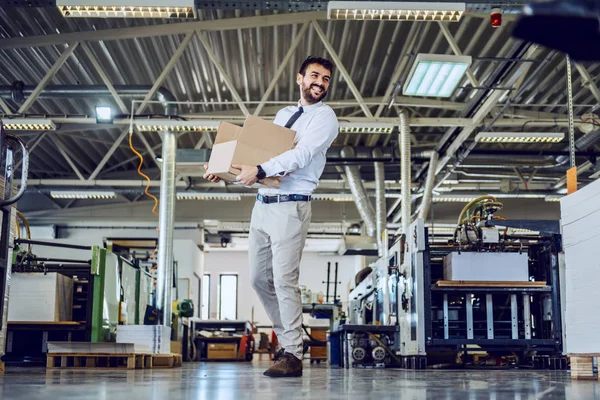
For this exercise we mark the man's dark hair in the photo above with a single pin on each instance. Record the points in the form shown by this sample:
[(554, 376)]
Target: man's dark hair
[(316, 60)]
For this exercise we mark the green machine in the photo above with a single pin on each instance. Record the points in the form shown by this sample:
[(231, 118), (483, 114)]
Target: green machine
[(108, 289)]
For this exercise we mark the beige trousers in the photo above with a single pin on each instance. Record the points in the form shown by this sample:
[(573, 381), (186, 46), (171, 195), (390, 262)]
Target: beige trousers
[(277, 236)]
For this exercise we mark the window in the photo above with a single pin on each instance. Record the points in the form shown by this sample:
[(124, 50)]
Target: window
[(205, 301), (228, 297)]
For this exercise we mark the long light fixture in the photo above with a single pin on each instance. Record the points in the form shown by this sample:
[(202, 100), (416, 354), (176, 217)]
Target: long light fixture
[(82, 194), (28, 124), (553, 198), (520, 137), (208, 196), (369, 127), (453, 199), (395, 10), (337, 197), (435, 75), (156, 125), (127, 8)]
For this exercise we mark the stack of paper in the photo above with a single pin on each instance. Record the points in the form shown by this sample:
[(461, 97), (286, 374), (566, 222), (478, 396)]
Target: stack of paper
[(580, 217), (156, 337), (97, 348)]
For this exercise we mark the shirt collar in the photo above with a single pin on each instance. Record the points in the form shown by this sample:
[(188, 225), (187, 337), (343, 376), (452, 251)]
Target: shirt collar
[(311, 107)]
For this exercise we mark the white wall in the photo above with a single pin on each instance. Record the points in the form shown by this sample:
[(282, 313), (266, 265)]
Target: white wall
[(313, 272)]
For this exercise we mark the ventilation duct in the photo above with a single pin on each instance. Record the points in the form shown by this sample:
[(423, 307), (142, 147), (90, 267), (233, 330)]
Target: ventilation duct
[(19, 92), (429, 182), (405, 170), (364, 206), (380, 206)]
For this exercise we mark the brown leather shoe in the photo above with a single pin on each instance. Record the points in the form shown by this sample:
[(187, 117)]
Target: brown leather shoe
[(286, 366)]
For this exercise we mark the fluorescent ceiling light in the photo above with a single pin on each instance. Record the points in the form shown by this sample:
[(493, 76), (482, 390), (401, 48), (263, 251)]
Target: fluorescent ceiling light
[(553, 198), (208, 196), (333, 197), (156, 125), (127, 8), (520, 137), (104, 115), (395, 10), (453, 199), (28, 124), (435, 75), (82, 194), (373, 127)]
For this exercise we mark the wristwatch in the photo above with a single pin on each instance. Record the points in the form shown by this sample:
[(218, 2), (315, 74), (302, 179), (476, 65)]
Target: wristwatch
[(261, 173)]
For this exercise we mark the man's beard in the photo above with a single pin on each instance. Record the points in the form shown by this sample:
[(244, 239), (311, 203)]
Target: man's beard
[(310, 97)]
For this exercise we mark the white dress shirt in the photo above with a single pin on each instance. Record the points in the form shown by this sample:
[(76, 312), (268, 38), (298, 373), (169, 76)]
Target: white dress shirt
[(301, 167)]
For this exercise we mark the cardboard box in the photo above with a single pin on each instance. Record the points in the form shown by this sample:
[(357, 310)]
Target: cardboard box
[(176, 347), (255, 143), (222, 351)]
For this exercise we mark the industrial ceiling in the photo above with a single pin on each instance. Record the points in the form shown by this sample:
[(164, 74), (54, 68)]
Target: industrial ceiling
[(226, 63)]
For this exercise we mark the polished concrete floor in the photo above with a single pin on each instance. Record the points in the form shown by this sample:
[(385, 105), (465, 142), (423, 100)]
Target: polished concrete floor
[(225, 381)]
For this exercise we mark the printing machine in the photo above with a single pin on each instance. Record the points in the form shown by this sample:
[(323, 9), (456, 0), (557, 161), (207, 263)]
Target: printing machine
[(488, 296)]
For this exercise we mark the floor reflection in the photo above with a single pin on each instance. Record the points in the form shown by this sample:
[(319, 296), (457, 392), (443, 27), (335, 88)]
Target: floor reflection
[(226, 381)]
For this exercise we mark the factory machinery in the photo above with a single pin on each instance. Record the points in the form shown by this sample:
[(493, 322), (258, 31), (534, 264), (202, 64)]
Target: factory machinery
[(485, 297), (97, 290)]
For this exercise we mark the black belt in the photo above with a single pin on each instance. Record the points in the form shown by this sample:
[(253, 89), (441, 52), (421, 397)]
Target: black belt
[(282, 198)]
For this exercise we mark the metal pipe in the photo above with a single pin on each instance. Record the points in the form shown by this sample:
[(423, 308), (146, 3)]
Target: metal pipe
[(583, 143), (380, 206), (52, 244), (363, 205), (166, 226), (429, 182), (328, 281), (18, 93), (335, 282), (405, 170), (534, 153)]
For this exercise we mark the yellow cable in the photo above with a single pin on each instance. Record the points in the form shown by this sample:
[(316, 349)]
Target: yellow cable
[(27, 229), (139, 170)]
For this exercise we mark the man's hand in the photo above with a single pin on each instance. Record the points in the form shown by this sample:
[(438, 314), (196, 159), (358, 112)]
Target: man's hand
[(211, 177), (248, 174)]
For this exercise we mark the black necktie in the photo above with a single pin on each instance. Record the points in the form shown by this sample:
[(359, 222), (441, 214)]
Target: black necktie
[(294, 117)]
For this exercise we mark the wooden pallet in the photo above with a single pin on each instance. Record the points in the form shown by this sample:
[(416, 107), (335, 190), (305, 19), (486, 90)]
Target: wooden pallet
[(113, 361), (582, 366)]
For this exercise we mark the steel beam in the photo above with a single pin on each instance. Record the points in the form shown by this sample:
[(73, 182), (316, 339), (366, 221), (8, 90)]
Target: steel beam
[(36, 141), (147, 146), (226, 78), (399, 69), (341, 68), (109, 154), (104, 77), (163, 29), (281, 68), (456, 50), (48, 77), (5, 107), (483, 111), (166, 70), (592, 85), (66, 156)]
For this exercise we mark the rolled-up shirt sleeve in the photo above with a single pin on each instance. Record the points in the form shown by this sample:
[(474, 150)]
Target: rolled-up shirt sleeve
[(318, 137)]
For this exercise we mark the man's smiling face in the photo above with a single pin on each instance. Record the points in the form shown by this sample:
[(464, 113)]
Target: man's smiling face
[(314, 83)]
